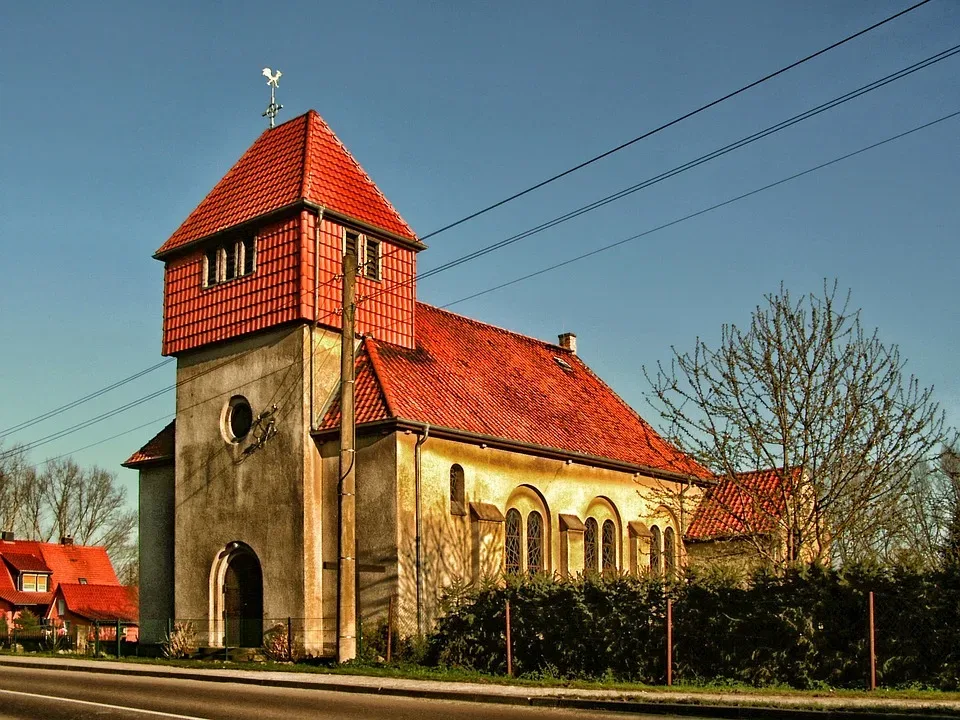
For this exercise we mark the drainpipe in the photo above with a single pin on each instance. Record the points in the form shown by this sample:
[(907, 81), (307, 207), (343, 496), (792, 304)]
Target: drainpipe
[(416, 473), (316, 313)]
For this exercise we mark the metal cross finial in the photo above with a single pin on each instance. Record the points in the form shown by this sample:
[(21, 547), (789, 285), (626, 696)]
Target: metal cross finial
[(273, 80)]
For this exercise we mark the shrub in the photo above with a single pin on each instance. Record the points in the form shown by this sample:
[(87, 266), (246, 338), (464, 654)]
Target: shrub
[(181, 641)]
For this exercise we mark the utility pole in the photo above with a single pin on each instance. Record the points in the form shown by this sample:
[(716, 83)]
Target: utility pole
[(347, 566)]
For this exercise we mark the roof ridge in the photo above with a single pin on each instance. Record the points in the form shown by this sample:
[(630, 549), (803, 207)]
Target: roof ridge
[(379, 376), (305, 176), (506, 331), (364, 173)]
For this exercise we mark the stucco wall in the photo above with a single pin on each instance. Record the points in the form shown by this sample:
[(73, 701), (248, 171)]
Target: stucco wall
[(235, 492), (156, 535)]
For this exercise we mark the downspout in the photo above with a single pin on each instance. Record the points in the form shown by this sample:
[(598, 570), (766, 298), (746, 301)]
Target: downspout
[(416, 473), (316, 314)]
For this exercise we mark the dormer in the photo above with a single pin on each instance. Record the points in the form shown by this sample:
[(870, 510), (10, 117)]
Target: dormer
[(30, 573), (265, 247)]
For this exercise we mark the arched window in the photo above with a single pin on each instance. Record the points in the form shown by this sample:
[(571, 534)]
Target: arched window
[(669, 552), (457, 502), (512, 541), (609, 547), (590, 545), (655, 544), (534, 542)]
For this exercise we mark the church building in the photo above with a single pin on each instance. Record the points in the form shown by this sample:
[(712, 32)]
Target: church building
[(479, 450)]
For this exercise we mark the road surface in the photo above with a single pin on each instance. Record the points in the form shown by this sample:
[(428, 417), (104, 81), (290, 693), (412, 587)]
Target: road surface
[(54, 695)]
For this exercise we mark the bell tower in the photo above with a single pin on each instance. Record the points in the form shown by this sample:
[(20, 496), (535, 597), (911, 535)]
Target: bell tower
[(252, 312)]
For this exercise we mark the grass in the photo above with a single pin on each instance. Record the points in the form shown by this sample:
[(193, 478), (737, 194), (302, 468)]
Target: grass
[(452, 674)]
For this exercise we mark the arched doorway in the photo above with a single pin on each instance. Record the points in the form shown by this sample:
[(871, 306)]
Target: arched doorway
[(242, 589)]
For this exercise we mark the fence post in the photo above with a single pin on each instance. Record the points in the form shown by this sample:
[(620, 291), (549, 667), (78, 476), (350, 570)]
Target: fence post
[(390, 630), (290, 638), (669, 641), (509, 644), (119, 652), (96, 638), (169, 628), (873, 648)]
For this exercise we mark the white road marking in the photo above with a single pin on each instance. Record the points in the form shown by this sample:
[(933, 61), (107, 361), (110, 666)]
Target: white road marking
[(103, 705)]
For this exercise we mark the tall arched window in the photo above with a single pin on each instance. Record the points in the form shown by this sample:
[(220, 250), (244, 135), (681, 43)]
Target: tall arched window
[(656, 539), (590, 545), (457, 501), (609, 547), (534, 542), (669, 552), (512, 541)]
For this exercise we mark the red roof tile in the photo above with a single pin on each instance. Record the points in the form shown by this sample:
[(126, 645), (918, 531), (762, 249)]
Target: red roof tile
[(299, 160), (66, 564), (745, 504), (25, 562), (102, 602), (477, 378), (26, 599), (160, 448)]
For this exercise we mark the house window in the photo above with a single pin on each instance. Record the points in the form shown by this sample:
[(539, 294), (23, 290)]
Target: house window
[(42, 583), (61, 607), (457, 503), (669, 552), (371, 259), (655, 554), (609, 555), (82, 581), (512, 541), (590, 545), (534, 542), (28, 582)]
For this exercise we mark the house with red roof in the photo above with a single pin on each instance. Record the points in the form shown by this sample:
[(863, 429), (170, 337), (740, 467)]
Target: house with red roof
[(78, 607), (32, 574), (742, 519), (479, 450)]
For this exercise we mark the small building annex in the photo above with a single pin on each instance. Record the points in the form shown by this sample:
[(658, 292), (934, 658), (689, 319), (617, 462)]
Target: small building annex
[(479, 450)]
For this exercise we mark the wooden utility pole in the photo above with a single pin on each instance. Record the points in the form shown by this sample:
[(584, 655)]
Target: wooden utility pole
[(347, 566)]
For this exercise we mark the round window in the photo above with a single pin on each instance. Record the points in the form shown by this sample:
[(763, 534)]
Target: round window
[(239, 418)]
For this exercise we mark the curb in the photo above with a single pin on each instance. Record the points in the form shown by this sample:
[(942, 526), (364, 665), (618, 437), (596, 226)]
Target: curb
[(653, 707)]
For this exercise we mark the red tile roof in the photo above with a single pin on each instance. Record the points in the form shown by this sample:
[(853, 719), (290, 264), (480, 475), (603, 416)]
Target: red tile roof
[(102, 602), (299, 160), (160, 448), (477, 378), (26, 599), (25, 562), (745, 504), (67, 564)]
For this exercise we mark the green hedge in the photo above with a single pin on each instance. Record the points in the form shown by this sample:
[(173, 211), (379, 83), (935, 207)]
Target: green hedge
[(806, 628)]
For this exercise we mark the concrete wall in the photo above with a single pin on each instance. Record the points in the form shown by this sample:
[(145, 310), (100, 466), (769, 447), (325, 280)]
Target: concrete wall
[(156, 551), (243, 492)]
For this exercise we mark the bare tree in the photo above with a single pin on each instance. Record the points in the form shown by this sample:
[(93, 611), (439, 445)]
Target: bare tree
[(806, 390)]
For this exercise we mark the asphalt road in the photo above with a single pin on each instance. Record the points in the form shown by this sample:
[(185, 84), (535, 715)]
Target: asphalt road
[(53, 695)]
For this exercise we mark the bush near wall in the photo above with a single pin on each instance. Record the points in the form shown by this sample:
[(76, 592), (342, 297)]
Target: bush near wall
[(806, 627)]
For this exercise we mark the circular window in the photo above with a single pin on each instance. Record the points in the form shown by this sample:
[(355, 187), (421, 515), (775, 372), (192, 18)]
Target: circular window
[(239, 418)]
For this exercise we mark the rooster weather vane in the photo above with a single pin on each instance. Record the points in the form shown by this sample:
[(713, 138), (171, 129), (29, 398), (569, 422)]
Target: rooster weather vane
[(273, 80)]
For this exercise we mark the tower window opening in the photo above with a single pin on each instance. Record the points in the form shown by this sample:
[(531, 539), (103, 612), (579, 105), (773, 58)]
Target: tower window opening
[(371, 259)]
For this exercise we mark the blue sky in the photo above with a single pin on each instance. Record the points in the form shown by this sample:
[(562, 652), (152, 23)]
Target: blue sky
[(116, 118)]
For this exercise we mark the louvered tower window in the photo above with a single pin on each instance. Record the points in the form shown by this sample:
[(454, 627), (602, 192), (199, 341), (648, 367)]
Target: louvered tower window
[(512, 532), (590, 545), (609, 546), (534, 542)]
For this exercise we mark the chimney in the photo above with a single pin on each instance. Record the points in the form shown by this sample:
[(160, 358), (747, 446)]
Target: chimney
[(66, 539), (7, 536), (568, 341)]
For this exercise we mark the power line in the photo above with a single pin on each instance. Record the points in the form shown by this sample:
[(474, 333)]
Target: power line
[(86, 398), (645, 233), (673, 122), (40, 418), (717, 206), (812, 112)]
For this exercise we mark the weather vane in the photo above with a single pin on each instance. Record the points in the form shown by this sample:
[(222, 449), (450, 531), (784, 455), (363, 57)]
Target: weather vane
[(273, 80)]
